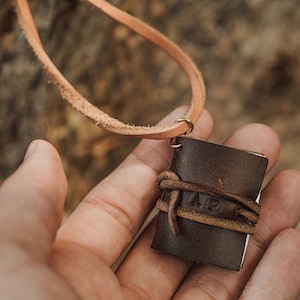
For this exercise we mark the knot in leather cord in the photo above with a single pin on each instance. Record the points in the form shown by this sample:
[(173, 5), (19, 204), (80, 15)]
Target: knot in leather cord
[(97, 116), (169, 180)]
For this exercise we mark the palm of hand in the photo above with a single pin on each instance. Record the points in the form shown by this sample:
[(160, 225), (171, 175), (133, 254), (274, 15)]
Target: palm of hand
[(75, 262)]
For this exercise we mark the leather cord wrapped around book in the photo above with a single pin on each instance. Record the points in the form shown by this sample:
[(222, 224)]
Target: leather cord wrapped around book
[(209, 205), (248, 210)]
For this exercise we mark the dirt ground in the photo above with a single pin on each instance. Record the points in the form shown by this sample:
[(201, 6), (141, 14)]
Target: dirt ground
[(248, 52)]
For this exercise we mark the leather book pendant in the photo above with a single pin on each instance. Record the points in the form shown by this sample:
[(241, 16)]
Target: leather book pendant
[(209, 205)]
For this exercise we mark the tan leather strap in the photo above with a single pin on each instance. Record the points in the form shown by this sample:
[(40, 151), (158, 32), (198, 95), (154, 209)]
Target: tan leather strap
[(97, 116)]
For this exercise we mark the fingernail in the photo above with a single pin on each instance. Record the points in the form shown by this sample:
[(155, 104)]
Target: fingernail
[(30, 150)]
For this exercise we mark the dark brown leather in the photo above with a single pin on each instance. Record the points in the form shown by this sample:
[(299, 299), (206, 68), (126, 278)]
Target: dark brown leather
[(222, 168)]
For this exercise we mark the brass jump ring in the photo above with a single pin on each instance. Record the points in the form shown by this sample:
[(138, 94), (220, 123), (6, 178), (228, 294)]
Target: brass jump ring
[(174, 146), (189, 122)]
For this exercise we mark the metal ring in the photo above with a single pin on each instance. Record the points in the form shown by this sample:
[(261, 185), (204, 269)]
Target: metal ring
[(173, 146), (189, 122)]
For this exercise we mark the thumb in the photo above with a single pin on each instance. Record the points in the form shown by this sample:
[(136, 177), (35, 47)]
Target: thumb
[(31, 200)]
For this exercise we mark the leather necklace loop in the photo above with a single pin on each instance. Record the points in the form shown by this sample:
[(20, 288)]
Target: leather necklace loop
[(97, 116)]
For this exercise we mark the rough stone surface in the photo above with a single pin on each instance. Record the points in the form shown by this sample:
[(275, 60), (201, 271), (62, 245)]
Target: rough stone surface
[(248, 51)]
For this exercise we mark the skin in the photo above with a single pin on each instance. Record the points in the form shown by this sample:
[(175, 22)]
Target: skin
[(40, 259)]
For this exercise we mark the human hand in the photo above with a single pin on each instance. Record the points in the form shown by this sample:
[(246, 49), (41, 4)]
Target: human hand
[(41, 260)]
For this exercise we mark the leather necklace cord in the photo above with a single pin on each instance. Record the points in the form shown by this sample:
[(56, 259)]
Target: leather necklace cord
[(97, 116)]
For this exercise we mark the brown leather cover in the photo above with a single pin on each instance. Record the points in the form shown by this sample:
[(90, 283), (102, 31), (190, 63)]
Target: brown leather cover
[(227, 169)]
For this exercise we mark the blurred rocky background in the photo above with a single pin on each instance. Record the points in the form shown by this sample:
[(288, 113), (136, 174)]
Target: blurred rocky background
[(248, 51)]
